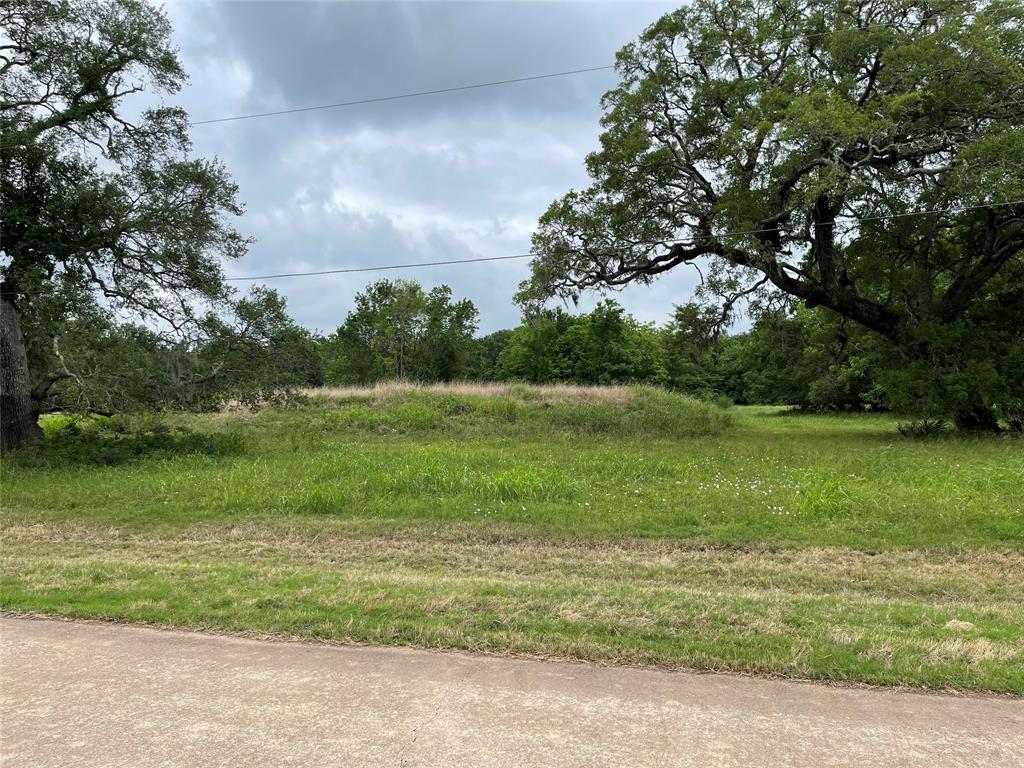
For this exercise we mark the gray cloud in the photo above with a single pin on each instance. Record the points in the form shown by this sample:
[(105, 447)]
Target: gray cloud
[(442, 177)]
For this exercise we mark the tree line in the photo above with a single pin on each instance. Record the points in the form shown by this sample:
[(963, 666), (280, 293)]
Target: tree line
[(809, 358)]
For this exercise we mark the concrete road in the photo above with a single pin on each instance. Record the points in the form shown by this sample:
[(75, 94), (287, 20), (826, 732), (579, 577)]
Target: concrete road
[(99, 695)]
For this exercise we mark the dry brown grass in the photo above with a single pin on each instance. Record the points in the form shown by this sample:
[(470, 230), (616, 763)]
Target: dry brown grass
[(554, 393), (965, 579)]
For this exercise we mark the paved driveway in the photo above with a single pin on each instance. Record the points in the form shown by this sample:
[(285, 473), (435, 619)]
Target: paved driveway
[(74, 694)]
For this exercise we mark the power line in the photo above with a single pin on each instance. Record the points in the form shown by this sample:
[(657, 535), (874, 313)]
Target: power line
[(951, 209), (783, 39), (473, 86), (378, 99), (695, 239), (412, 95), (379, 269)]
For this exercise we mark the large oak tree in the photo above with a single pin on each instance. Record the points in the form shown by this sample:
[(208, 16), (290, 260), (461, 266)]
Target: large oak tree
[(866, 157), (96, 199)]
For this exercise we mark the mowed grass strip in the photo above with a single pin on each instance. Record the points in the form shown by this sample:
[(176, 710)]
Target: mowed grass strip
[(632, 527), (809, 613)]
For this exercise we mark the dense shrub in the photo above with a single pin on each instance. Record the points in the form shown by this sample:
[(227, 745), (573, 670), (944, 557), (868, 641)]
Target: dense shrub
[(100, 440)]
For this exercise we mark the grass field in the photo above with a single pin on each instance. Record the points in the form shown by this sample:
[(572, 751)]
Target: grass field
[(618, 525)]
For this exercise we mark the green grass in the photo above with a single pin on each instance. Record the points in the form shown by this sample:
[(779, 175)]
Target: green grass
[(629, 526)]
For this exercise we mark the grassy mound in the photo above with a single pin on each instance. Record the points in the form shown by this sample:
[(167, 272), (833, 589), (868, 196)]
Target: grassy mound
[(517, 410)]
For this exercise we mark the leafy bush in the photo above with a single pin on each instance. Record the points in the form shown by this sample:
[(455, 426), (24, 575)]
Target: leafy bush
[(101, 440), (723, 401)]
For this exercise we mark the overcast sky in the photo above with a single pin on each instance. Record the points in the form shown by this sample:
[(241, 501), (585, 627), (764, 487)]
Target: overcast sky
[(450, 176)]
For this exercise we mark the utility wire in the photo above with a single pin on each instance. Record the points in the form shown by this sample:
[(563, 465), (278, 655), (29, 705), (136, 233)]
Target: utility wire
[(378, 99), (473, 86), (509, 81), (852, 220), (695, 239), (378, 269), (412, 95)]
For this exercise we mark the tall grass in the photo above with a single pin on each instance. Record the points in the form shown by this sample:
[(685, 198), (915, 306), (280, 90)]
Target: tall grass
[(518, 410), (552, 393)]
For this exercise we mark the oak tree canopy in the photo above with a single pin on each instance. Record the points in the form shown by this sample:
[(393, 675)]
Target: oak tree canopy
[(98, 199), (865, 157)]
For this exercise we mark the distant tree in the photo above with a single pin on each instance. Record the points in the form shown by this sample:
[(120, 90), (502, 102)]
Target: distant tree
[(399, 331), (533, 352), (790, 144), (841, 362), (730, 368), (95, 200), (805, 358), (444, 352), (378, 335), (605, 346), (690, 342), (256, 355), (486, 350), (608, 346), (774, 369)]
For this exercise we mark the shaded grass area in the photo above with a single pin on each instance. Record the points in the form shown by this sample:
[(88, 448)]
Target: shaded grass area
[(811, 546)]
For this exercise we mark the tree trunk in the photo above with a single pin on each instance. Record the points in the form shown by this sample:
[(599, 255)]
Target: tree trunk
[(18, 423), (976, 417)]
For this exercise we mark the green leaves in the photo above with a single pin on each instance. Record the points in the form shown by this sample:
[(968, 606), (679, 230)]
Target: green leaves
[(99, 202), (605, 346), (397, 330), (828, 148)]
